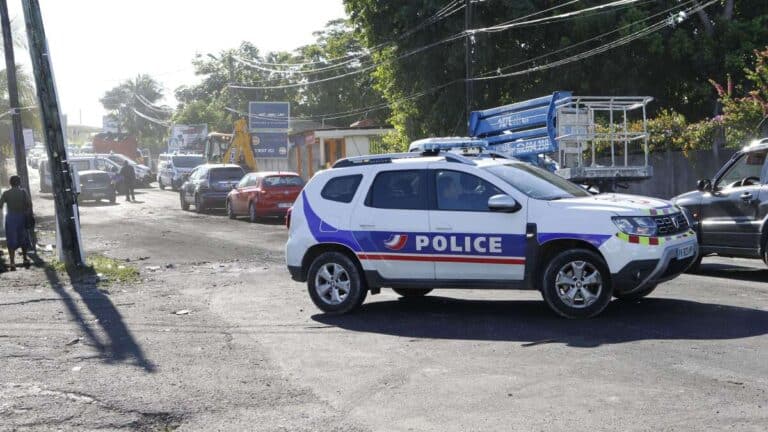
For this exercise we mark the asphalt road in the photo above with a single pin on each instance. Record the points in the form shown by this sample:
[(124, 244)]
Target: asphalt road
[(255, 354)]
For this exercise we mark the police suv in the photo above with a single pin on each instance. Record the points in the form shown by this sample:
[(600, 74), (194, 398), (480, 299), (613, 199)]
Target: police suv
[(440, 219)]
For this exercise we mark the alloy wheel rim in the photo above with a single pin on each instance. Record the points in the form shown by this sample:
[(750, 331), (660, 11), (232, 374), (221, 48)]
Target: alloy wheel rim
[(579, 284), (332, 283)]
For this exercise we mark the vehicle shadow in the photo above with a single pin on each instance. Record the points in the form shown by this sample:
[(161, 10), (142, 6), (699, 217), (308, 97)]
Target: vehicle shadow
[(532, 323), (97, 204), (107, 333), (729, 271)]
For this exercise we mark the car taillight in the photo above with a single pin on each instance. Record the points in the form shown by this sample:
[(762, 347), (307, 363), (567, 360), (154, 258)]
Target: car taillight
[(288, 217)]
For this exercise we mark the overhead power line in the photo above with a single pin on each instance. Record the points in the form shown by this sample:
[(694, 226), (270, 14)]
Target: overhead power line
[(423, 48), (680, 16)]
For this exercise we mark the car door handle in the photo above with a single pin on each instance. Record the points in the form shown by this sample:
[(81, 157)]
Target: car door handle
[(367, 226), (747, 196), (443, 228)]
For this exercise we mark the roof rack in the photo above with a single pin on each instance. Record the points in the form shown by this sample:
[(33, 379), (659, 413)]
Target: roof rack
[(390, 157)]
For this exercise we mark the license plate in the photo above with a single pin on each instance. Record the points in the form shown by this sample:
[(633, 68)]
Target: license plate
[(284, 205), (99, 195), (685, 252)]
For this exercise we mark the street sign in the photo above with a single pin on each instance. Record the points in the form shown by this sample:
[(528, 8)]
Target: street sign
[(270, 145), (109, 124), (269, 116)]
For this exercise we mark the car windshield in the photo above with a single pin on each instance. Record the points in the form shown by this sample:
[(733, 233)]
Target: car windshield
[(187, 161), (226, 174), (536, 182), (280, 181)]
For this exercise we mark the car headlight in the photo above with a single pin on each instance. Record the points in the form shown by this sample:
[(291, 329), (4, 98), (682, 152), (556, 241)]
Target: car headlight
[(636, 225)]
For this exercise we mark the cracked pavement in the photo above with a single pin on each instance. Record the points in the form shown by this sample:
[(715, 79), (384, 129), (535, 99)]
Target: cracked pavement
[(252, 353)]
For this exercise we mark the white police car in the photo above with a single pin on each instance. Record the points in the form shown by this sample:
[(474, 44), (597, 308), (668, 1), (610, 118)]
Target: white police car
[(418, 221)]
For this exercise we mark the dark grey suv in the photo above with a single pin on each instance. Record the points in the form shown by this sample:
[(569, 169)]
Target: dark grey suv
[(731, 209), (208, 185)]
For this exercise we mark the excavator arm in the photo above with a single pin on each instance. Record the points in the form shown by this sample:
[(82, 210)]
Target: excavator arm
[(240, 151)]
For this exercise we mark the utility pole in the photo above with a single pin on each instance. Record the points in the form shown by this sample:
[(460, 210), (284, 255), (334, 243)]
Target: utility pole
[(13, 97), (468, 54), (67, 215)]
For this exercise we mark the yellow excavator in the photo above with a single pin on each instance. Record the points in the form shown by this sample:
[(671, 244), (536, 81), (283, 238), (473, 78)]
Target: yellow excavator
[(234, 148)]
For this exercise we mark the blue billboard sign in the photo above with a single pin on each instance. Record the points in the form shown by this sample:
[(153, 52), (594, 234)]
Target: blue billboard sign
[(269, 116), (270, 145)]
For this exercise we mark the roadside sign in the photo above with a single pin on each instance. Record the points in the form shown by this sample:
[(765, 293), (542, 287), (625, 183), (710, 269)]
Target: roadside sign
[(269, 116), (188, 138), (109, 124), (270, 145)]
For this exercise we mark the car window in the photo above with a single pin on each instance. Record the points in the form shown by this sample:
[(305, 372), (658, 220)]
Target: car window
[(226, 174), (281, 181), (536, 182), (245, 181), (461, 191), (187, 161), (341, 189), (405, 190), (746, 166), (81, 165)]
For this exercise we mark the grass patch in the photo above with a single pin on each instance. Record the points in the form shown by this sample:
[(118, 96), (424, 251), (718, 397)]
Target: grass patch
[(109, 268)]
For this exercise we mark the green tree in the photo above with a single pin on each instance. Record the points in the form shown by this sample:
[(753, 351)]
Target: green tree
[(672, 64), (134, 104)]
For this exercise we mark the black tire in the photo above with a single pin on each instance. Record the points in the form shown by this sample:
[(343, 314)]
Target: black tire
[(160, 184), (696, 266), (636, 295), (353, 298), (183, 201), (412, 292), (230, 211), (253, 217), (199, 207), (583, 306)]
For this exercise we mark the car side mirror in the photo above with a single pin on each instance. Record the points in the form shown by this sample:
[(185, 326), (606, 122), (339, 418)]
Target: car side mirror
[(704, 185), (503, 204)]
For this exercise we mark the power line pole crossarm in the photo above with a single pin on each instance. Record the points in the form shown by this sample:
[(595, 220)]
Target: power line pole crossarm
[(67, 217), (13, 97)]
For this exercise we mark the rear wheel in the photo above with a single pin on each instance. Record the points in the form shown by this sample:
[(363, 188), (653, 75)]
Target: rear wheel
[(335, 283), (576, 284), (160, 183), (183, 200), (412, 292)]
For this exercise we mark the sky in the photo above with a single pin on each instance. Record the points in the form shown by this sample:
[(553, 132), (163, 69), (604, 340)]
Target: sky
[(95, 44)]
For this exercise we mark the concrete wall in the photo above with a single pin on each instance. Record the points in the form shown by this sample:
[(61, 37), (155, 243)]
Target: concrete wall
[(675, 173)]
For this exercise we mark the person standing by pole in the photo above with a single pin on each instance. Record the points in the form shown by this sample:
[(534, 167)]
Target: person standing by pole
[(17, 220), (129, 179)]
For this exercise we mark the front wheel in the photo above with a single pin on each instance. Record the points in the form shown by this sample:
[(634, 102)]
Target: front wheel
[(253, 216), (183, 200), (577, 284), (230, 211), (335, 283), (412, 292), (199, 207)]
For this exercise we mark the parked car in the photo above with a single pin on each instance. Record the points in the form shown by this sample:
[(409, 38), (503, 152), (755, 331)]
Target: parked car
[(96, 185), (208, 186), (143, 174), (448, 221), (730, 211), (263, 194), (80, 164), (174, 169)]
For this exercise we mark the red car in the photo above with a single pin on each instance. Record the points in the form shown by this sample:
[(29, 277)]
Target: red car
[(263, 194)]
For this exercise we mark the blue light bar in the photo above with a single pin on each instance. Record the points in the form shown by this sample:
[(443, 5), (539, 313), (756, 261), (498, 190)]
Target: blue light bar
[(435, 145)]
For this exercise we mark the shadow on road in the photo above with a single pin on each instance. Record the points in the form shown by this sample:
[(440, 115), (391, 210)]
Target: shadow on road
[(532, 323), (730, 271), (114, 342)]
